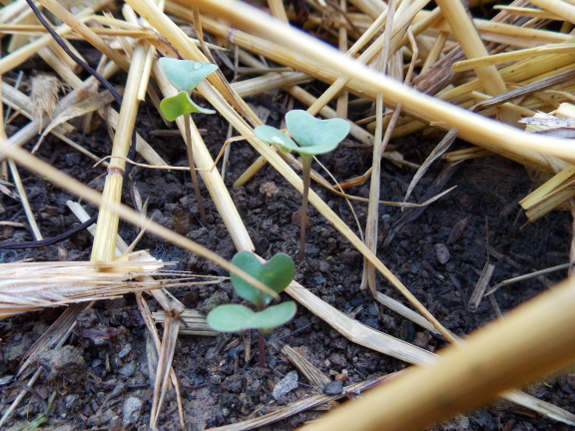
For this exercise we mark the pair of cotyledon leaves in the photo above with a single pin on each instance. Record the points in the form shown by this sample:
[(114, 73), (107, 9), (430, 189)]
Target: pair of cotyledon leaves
[(313, 136), (185, 75), (277, 273)]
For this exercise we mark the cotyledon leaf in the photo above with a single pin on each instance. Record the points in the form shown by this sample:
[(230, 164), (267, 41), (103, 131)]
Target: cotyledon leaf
[(185, 75), (237, 318), (180, 104), (277, 273)]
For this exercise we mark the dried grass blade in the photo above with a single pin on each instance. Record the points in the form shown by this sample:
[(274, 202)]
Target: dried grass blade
[(24, 200), (193, 323), (356, 331), (439, 149), (379, 144), (310, 371), (171, 327), (542, 84), (408, 313), (268, 82), (303, 405), (480, 286), (58, 10), (90, 104)]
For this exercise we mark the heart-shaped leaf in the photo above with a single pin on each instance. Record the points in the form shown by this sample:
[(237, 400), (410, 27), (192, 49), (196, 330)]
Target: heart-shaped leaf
[(185, 75), (271, 135), (313, 135), (277, 273), (237, 318), (180, 104)]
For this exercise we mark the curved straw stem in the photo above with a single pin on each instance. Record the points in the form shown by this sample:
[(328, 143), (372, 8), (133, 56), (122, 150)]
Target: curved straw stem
[(66, 182)]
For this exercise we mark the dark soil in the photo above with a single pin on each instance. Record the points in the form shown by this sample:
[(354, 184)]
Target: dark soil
[(111, 377)]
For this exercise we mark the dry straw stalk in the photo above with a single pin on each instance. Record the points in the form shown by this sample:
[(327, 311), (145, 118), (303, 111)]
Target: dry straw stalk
[(532, 341), (494, 136)]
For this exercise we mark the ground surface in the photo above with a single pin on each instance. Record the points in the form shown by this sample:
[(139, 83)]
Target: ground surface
[(218, 385)]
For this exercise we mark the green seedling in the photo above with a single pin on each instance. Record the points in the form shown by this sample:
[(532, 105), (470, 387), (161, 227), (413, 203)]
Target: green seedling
[(277, 273), (312, 137), (185, 75)]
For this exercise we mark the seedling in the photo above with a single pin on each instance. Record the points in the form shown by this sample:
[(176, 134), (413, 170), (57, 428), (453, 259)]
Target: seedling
[(313, 137), (185, 75), (277, 273)]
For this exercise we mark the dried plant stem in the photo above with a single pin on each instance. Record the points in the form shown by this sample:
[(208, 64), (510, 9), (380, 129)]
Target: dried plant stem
[(278, 10), (564, 9), (458, 19), (250, 172), (166, 354), (373, 8), (436, 50), (532, 341), (13, 60), (78, 26), (24, 200), (68, 183), (105, 238), (371, 231), (268, 82), (193, 173), (478, 130), (342, 100), (21, 396), (24, 28)]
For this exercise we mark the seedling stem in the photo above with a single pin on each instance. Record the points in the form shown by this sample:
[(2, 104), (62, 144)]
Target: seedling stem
[(306, 170), (312, 136)]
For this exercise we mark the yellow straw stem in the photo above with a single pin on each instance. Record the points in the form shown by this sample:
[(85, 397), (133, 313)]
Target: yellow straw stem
[(532, 341), (66, 182), (471, 127)]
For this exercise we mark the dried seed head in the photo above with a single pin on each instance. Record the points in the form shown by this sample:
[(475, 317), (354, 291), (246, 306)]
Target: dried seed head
[(44, 95)]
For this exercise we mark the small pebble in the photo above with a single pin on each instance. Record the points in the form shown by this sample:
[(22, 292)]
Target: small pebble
[(66, 362), (333, 388), (285, 385), (341, 377), (101, 419), (442, 253), (126, 349), (70, 401), (128, 369), (131, 411)]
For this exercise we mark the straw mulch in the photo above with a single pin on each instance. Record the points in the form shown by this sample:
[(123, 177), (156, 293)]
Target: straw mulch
[(445, 207)]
